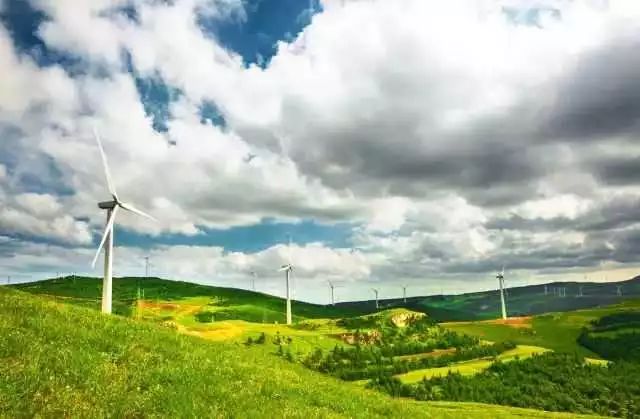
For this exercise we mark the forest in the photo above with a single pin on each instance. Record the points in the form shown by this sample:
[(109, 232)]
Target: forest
[(551, 381), (614, 337)]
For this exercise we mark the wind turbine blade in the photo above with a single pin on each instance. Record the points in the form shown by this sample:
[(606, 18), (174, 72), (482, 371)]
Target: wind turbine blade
[(110, 185), (284, 268), (133, 209), (289, 250), (108, 229)]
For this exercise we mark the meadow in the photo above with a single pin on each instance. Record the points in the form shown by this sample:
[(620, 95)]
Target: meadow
[(556, 331), (62, 360), (393, 350)]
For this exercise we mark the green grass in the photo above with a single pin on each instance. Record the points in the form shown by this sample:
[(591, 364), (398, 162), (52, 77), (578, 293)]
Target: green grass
[(224, 303), (556, 331), (473, 366), (60, 360)]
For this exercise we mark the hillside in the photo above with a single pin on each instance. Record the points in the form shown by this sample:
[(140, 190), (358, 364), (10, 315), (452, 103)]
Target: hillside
[(521, 301), (62, 360), (225, 303), (556, 331)]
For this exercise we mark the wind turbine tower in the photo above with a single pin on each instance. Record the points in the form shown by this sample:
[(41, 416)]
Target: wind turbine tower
[(375, 291), (546, 289), (404, 294), (580, 293), (146, 267), (619, 290), (332, 286), (111, 207), (500, 278), (254, 275), (287, 268)]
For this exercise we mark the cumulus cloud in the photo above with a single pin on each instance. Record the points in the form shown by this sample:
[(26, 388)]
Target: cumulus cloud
[(453, 137)]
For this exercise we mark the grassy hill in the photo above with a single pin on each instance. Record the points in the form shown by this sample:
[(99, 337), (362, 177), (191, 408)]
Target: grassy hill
[(237, 304), (521, 301), (61, 360), (556, 331), (223, 303)]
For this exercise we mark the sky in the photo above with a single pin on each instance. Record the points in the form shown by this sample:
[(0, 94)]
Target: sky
[(394, 143)]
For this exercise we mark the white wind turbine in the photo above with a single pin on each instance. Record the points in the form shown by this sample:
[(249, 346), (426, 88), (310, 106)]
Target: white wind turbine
[(107, 237), (375, 291), (287, 268), (333, 287), (500, 278)]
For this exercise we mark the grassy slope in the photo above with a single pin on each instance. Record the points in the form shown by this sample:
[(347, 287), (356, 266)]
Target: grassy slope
[(61, 360), (473, 366), (556, 331), (520, 301), (227, 303)]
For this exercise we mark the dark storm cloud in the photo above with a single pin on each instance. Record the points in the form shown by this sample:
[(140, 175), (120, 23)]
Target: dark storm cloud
[(618, 213), (491, 168), (627, 246), (600, 97), (532, 258), (623, 170)]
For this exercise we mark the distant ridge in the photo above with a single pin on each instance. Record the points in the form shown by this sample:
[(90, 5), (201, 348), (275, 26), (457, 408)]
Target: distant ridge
[(521, 301)]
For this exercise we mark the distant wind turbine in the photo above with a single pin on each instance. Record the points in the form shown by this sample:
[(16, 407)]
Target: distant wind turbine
[(500, 278), (375, 291), (112, 207), (287, 268), (332, 286), (404, 293), (254, 275), (146, 267), (619, 290)]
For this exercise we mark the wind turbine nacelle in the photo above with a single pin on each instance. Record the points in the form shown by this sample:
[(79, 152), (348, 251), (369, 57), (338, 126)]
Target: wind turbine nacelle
[(107, 204)]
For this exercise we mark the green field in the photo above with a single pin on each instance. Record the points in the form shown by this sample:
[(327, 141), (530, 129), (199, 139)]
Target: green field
[(60, 360), (471, 367), (556, 331)]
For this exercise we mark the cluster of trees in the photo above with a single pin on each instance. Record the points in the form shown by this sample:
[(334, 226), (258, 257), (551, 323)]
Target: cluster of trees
[(616, 321), (260, 340), (614, 337), (622, 346), (442, 339), (366, 362), (552, 381)]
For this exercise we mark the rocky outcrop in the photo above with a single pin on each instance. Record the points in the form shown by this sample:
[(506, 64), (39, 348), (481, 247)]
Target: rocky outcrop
[(405, 318)]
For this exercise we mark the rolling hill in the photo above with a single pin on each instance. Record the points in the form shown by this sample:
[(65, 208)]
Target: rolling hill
[(557, 331), (61, 360), (521, 301), (224, 303)]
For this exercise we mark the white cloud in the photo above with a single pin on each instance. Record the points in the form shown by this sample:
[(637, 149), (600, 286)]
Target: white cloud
[(419, 127)]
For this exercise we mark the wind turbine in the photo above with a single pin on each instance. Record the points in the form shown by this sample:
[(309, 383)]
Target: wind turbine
[(404, 293), (146, 267), (545, 289), (112, 207), (375, 291), (254, 275), (619, 290), (287, 268), (332, 286), (500, 278)]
